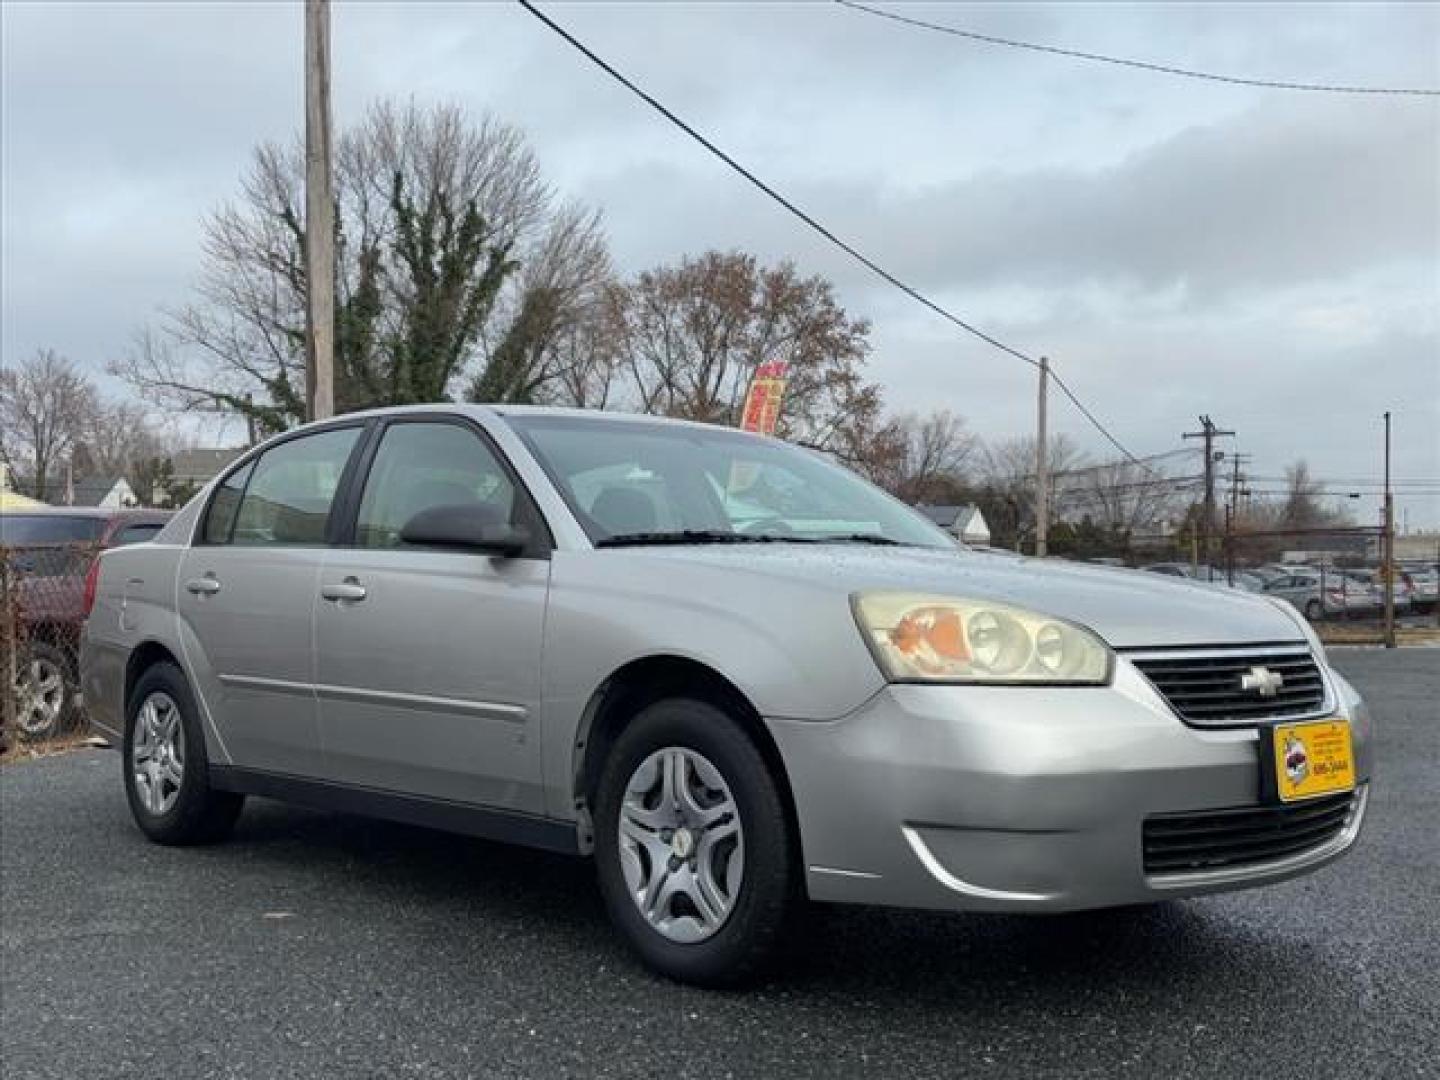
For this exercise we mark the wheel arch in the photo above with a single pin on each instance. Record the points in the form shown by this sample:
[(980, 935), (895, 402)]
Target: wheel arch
[(141, 659), (642, 682)]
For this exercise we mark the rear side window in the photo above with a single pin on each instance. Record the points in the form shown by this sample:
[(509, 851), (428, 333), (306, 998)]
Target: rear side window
[(137, 534), (287, 501), (221, 518), (422, 466)]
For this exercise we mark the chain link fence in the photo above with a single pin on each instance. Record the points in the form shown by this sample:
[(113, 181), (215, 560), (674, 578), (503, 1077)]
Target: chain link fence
[(42, 612)]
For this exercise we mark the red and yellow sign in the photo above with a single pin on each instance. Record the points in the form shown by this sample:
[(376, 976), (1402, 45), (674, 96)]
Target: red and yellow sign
[(762, 404)]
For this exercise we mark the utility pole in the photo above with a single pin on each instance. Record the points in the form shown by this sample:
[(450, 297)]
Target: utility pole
[(1232, 515), (1387, 571), (319, 217), (1209, 432), (1042, 464)]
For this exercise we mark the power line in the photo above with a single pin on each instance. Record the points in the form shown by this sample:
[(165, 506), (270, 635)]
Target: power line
[(1143, 65), (850, 250)]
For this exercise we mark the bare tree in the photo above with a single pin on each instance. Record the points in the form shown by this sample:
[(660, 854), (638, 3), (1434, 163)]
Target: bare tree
[(44, 404), (923, 458), (1007, 492), (695, 333), (1302, 507), (563, 286), (443, 225), (1124, 497)]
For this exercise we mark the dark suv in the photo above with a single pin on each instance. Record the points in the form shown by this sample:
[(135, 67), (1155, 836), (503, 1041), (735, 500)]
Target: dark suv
[(50, 553)]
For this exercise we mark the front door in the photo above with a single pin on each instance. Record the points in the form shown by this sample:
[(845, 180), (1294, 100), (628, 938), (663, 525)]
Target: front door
[(247, 594), (428, 661)]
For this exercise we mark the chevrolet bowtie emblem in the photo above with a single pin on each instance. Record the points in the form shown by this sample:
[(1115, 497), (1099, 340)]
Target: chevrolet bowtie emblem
[(1263, 681)]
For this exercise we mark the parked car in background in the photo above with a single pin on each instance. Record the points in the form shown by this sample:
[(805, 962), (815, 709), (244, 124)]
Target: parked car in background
[(1402, 589), (1320, 594), (1209, 575), (1425, 587), (51, 552), (574, 630)]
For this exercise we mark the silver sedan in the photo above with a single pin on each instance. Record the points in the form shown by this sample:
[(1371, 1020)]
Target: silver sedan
[(728, 671)]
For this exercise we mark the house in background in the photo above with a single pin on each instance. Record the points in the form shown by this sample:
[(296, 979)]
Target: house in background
[(194, 468), (106, 492), (962, 522)]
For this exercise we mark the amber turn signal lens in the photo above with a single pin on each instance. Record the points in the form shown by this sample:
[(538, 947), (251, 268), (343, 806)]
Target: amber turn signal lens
[(935, 631)]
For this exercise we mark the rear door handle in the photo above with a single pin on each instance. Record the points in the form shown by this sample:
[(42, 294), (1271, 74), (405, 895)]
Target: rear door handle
[(203, 586), (349, 589)]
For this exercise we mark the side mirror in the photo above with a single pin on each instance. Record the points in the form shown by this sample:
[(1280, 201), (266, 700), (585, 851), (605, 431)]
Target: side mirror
[(471, 526)]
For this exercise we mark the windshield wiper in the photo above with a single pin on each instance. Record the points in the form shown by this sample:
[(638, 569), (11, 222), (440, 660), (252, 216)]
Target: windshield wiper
[(695, 536), (861, 538)]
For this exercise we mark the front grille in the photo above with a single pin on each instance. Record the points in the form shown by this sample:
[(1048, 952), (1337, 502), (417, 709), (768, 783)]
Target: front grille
[(1207, 690), (1219, 839)]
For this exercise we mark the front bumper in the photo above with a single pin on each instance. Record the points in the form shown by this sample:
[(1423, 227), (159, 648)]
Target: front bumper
[(1024, 798)]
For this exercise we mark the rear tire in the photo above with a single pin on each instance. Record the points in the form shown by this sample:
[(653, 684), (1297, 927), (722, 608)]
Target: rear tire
[(737, 857), (166, 769), (1313, 610), (45, 690)]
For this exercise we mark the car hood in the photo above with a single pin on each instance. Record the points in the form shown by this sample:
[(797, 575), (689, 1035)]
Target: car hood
[(1128, 608)]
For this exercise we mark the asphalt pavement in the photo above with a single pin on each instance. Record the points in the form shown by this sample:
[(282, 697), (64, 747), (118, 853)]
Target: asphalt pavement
[(315, 945)]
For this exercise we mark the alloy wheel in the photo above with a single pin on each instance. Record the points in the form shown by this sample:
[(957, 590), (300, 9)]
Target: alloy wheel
[(682, 846), (157, 753), (40, 692)]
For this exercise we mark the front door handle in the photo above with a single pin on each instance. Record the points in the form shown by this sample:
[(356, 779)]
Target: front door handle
[(203, 586), (349, 589)]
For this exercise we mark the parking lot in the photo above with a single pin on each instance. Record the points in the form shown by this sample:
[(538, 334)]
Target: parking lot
[(315, 945)]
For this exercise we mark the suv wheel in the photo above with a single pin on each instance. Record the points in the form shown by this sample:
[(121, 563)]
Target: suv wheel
[(694, 850), (1313, 610), (44, 692), (167, 777)]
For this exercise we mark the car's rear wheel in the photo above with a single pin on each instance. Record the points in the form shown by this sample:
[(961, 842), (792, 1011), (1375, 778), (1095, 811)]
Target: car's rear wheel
[(44, 692), (1313, 610), (167, 773), (693, 845)]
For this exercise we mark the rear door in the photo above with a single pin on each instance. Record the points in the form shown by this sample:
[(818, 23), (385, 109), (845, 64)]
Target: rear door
[(246, 595), (428, 661)]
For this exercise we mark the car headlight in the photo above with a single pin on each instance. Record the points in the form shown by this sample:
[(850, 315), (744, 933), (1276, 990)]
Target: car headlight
[(917, 637)]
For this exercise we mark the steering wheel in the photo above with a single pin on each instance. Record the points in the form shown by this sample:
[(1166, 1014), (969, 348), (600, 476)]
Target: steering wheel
[(767, 526)]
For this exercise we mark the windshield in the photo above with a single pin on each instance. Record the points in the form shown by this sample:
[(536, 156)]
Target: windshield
[(49, 528), (655, 483)]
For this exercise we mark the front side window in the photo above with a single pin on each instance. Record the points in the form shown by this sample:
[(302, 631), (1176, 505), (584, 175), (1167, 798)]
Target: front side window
[(421, 466), (287, 501), (221, 517), (635, 480)]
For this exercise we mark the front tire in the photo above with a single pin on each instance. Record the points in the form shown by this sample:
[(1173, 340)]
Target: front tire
[(167, 772), (694, 849)]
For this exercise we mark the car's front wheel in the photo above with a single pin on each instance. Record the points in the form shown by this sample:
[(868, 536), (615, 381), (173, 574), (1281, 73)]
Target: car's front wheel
[(167, 773), (693, 845)]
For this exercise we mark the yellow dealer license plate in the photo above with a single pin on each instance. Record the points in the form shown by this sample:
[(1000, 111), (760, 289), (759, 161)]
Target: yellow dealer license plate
[(1315, 758)]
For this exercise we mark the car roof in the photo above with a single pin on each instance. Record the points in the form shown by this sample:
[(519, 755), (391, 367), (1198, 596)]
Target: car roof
[(503, 411)]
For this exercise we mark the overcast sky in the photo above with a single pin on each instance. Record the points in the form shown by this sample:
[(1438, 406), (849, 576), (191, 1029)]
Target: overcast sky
[(1271, 258)]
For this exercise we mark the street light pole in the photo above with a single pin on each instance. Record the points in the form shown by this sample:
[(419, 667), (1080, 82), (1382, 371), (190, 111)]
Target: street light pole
[(319, 217), (1042, 464), (1387, 571)]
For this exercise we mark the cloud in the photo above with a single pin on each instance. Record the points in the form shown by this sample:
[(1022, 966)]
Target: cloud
[(1176, 246)]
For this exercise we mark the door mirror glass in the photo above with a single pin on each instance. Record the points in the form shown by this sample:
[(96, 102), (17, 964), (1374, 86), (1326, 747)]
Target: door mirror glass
[(470, 526)]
